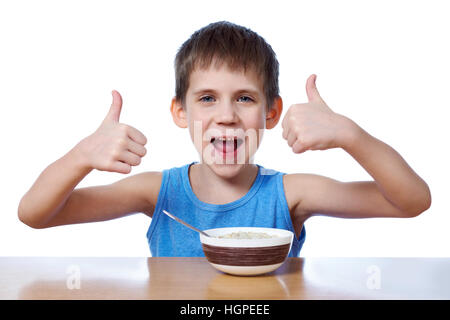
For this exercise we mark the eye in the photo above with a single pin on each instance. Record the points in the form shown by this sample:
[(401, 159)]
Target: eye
[(248, 99), (202, 99)]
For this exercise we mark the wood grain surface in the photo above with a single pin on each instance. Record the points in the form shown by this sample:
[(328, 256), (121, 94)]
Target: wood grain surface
[(195, 278)]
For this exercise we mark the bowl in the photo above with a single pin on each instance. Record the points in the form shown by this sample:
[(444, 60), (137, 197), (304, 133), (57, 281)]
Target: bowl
[(247, 257)]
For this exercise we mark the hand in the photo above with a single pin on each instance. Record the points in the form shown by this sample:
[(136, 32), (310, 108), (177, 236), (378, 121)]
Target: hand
[(114, 146), (313, 125)]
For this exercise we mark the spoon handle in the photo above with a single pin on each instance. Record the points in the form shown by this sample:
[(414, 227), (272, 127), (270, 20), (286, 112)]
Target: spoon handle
[(186, 224)]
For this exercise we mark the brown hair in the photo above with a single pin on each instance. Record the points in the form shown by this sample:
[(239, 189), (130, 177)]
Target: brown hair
[(237, 46)]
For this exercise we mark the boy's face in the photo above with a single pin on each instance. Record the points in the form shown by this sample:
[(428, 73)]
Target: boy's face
[(226, 113)]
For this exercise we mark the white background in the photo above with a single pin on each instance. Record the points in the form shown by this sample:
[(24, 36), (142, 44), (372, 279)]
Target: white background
[(384, 64)]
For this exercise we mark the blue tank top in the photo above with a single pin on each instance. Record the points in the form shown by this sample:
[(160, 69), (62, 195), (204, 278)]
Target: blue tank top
[(264, 205)]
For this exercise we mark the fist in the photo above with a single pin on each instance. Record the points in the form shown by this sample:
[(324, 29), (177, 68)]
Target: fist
[(312, 125), (114, 146)]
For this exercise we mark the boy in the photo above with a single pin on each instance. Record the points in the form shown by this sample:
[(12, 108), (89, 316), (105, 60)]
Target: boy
[(226, 95)]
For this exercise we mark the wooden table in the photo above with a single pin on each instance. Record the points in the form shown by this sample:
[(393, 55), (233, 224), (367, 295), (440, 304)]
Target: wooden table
[(195, 278)]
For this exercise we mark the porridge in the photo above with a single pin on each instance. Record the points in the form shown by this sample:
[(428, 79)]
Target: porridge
[(247, 235)]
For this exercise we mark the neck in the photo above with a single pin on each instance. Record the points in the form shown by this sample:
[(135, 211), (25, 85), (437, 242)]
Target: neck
[(211, 187)]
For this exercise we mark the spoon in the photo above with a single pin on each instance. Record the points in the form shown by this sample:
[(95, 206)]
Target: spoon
[(186, 224)]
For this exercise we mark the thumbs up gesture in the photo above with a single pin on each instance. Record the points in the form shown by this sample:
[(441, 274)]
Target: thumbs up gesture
[(114, 146), (313, 125)]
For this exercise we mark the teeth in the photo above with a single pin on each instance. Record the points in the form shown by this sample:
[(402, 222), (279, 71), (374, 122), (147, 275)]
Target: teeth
[(225, 138)]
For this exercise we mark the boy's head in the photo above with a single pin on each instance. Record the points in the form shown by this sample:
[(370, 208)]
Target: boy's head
[(226, 92), (238, 47)]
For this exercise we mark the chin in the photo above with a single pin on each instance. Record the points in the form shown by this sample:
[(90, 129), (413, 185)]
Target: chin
[(226, 160), (227, 171)]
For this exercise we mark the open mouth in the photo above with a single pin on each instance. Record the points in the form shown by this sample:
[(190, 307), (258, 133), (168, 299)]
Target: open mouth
[(226, 145)]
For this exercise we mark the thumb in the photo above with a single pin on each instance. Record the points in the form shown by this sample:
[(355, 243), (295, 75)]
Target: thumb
[(116, 107), (311, 89)]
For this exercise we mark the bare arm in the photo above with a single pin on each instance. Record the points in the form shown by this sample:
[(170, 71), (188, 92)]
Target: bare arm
[(397, 191), (317, 195), (61, 204), (51, 190), (113, 147), (134, 194), (393, 178)]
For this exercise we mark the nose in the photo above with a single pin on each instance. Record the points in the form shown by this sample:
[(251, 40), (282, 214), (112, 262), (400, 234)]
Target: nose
[(226, 114)]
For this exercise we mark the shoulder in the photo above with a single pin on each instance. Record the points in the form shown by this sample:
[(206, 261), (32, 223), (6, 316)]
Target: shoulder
[(293, 180), (145, 186), (293, 189), (150, 180), (297, 188), (151, 184), (143, 179)]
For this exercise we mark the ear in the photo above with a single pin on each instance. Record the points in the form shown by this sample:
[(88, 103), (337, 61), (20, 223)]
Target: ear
[(274, 113), (178, 113)]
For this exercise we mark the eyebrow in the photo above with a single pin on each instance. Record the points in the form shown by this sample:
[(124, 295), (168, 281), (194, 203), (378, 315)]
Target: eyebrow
[(249, 90)]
